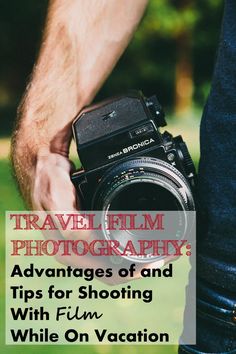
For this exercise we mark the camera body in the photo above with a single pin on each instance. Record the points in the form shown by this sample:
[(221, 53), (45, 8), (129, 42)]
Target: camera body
[(119, 144)]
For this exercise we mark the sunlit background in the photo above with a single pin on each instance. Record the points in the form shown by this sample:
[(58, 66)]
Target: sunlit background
[(172, 55)]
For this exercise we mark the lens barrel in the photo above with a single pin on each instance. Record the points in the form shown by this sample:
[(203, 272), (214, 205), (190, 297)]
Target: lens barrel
[(143, 183)]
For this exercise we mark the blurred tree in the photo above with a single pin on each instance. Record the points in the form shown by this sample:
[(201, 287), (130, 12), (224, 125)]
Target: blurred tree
[(184, 64), (179, 21), (176, 19)]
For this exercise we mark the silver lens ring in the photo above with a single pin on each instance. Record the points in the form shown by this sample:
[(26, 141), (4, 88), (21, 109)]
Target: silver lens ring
[(131, 174)]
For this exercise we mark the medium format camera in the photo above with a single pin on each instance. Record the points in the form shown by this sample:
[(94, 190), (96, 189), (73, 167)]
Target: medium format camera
[(128, 164)]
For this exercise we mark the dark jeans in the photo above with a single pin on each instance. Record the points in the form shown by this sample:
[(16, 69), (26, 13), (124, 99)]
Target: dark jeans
[(216, 251)]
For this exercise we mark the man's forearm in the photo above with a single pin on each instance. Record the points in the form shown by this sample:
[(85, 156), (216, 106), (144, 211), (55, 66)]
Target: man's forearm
[(82, 42)]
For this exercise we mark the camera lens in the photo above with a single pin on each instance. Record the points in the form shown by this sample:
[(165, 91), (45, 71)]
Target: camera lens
[(143, 184)]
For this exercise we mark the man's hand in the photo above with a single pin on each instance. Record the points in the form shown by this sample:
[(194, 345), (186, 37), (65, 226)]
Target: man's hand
[(52, 188)]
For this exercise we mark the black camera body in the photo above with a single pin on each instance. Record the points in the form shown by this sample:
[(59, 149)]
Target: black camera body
[(128, 164)]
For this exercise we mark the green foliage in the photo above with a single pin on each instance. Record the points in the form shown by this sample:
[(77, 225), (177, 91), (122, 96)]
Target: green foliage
[(168, 19)]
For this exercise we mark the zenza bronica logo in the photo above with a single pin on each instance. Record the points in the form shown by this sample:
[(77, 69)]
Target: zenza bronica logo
[(133, 147)]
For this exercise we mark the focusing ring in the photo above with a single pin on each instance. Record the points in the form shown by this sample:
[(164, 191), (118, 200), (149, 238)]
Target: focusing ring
[(139, 169)]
